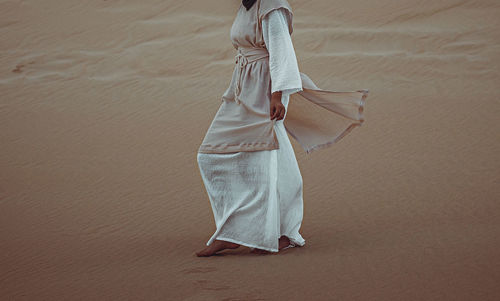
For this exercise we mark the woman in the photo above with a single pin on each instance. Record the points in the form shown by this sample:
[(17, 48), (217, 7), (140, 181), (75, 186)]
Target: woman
[(246, 160)]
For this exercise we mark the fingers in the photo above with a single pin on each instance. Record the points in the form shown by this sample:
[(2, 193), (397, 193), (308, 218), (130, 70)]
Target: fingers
[(273, 112), (277, 112), (282, 115)]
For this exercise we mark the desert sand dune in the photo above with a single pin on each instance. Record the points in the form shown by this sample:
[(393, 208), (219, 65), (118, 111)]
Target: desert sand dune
[(104, 104)]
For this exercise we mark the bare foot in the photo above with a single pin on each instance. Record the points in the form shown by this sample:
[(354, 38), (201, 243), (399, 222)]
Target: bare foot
[(283, 242), (216, 246)]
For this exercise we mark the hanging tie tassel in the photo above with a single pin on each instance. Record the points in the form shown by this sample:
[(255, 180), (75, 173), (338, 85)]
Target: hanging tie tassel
[(241, 61)]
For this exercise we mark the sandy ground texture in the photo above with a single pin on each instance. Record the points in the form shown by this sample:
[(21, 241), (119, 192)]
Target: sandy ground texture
[(104, 104)]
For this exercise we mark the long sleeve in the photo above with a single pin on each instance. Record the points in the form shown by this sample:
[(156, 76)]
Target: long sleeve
[(285, 75)]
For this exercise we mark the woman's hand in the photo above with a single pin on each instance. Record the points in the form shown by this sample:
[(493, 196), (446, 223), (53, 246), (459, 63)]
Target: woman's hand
[(277, 108)]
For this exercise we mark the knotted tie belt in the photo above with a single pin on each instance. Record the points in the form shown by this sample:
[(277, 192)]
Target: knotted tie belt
[(244, 57)]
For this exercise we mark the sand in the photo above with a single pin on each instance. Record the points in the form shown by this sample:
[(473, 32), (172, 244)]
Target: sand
[(104, 104)]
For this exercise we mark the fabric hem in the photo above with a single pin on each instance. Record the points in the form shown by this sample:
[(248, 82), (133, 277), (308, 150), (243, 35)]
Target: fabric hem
[(246, 244), (361, 119), (288, 91), (235, 149), (294, 241)]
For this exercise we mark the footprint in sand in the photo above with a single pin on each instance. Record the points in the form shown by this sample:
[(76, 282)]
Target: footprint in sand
[(18, 68)]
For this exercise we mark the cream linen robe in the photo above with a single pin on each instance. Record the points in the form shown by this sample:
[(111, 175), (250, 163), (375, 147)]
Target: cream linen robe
[(256, 196), (246, 160)]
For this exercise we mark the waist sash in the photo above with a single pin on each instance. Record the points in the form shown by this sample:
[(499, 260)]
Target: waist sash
[(244, 57)]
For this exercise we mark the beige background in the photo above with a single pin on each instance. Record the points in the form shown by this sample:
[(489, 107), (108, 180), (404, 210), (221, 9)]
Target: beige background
[(104, 104)]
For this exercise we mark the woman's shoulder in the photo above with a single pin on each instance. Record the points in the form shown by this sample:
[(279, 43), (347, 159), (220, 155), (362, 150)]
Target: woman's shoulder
[(266, 6)]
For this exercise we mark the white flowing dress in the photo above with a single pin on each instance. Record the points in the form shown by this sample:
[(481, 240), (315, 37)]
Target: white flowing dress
[(256, 196)]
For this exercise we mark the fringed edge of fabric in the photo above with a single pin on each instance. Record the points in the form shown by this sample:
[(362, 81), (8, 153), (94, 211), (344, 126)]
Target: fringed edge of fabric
[(308, 85), (349, 128)]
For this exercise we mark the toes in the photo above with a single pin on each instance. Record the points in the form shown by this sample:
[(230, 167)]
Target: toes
[(202, 254)]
